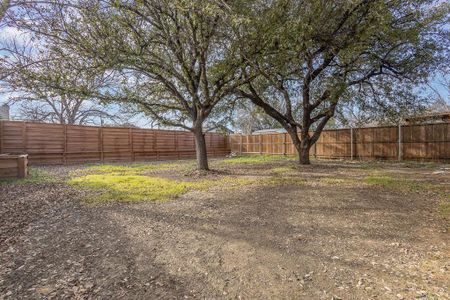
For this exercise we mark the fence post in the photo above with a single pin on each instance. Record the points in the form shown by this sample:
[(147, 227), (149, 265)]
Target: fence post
[(1, 137), (271, 144), (351, 144), (240, 145), (65, 144), (155, 143), (260, 144), (130, 143), (24, 137), (102, 155), (400, 142), (176, 145), (284, 144)]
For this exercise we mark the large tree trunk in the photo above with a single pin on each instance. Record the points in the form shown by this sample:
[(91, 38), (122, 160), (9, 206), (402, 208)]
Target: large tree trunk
[(303, 152), (302, 145), (200, 149)]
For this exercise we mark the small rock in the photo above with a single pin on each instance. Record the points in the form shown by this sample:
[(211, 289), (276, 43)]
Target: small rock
[(45, 290), (421, 294), (308, 276)]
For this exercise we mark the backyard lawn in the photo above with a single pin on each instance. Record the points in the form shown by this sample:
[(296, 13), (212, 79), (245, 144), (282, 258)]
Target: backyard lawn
[(258, 227)]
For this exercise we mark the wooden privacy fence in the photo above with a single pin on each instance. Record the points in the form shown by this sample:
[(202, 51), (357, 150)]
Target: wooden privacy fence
[(63, 144), (408, 142)]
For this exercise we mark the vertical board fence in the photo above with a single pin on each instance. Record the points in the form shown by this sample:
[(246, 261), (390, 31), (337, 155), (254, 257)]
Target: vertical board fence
[(66, 144), (406, 142)]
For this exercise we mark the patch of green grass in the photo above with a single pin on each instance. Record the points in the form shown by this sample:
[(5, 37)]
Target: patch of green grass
[(377, 165), (336, 181), (121, 183), (257, 159), (398, 183), (382, 180), (226, 182), (35, 176), (134, 168), (281, 170), (444, 209), (429, 189), (129, 188), (131, 169), (406, 185)]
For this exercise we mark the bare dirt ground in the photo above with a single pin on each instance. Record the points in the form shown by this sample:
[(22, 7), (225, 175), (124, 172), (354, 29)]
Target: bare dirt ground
[(331, 237)]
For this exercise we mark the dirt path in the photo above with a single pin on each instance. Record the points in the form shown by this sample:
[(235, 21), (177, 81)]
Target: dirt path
[(311, 241)]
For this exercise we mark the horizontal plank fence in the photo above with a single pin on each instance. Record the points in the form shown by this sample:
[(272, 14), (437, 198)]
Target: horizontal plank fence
[(406, 142), (67, 144)]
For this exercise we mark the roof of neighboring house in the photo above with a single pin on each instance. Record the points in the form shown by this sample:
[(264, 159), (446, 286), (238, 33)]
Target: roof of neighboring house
[(444, 116), (274, 130)]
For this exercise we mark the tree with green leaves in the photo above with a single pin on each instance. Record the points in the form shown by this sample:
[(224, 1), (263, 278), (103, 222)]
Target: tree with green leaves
[(38, 82), (173, 59), (313, 56), (248, 118), (4, 5)]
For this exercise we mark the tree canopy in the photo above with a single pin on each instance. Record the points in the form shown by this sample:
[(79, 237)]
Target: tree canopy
[(172, 59), (185, 63), (314, 55)]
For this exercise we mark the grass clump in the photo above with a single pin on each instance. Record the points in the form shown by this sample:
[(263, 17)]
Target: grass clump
[(281, 170), (406, 185), (385, 181), (35, 176), (132, 169), (336, 181), (257, 159), (130, 187), (444, 209), (398, 183)]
